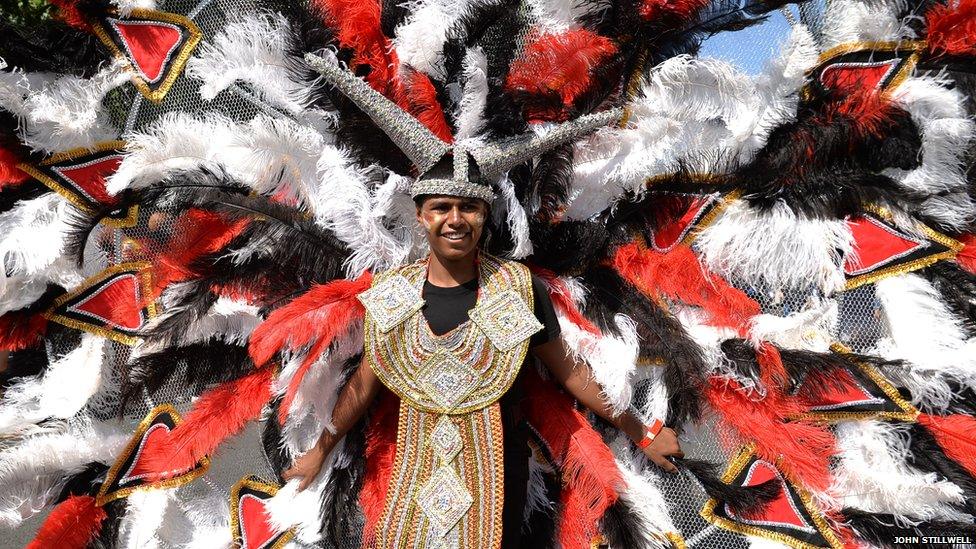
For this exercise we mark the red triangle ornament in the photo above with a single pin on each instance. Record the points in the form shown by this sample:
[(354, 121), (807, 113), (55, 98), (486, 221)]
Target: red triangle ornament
[(701, 211), (250, 524), (791, 518), (881, 249), (129, 472), (155, 44), (80, 175), (863, 66), (112, 304)]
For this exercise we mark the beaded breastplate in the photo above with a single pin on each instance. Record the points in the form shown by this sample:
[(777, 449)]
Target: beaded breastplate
[(446, 489)]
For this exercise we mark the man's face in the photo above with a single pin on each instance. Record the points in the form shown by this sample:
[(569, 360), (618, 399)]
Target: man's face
[(453, 224)]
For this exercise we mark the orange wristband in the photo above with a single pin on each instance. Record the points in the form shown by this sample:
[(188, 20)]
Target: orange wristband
[(650, 432)]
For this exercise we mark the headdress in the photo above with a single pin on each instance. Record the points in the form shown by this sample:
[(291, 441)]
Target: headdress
[(465, 168)]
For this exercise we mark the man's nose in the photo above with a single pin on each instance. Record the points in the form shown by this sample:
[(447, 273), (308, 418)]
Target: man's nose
[(454, 216)]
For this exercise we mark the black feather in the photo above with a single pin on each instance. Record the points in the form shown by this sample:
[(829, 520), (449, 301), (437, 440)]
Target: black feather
[(743, 500), (341, 516), (271, 440), (957, 287), (392, 13), (206, 363), (85, 482), (662, 339), (622, 526), (28, 190), (51, 46), (568, 247), (881, 530), (108, 536), (552, 176), (926, 455)]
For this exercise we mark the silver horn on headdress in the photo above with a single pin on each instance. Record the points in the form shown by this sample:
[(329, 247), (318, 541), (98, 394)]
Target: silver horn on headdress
[(421, 146), (438, 176)]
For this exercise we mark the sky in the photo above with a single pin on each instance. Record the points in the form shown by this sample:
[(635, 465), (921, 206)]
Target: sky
[(750, 47)]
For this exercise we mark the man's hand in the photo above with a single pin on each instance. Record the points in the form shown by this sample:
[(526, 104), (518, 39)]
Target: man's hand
[(664, 445), (306, 467)]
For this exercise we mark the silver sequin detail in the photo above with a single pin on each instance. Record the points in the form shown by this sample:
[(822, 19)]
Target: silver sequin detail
[(443, 499), (505, 319), (446, 440), (452, 188), (391, 302), (446, 380), (421, 146)]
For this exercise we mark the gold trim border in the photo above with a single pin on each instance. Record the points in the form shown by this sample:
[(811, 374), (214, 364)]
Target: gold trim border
[(179, 58), (131, 216), (909, 413), (913, 47), (735, 467), (869, 278), (253, 482), (104, 496), (145, 277)]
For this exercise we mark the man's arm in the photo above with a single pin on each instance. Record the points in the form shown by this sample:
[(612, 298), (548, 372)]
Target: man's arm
[(577, 378), (353, 402)]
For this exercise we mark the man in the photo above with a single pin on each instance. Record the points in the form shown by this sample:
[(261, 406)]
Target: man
[(453, 354)]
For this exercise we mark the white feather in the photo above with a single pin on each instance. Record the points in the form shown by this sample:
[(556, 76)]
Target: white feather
[(515, 218), (60, 391), (470, 115), (17, 292), (144, 513), (311, 410), (612, 360), (33, 471), (947, 133), (872, 474), (61, 113), (776, 250), (847, 21), (252, 48), (925, 333), (643, 495), (32, 235), (290, 508), (536, 495), (126, 6), (347, 207), (419, 41), (812, 329)]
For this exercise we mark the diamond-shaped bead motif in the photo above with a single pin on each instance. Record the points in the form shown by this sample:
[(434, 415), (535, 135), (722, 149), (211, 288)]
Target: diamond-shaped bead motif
[(446, 440), (443, 499), (446, 380), (505, 319), (391, 302)]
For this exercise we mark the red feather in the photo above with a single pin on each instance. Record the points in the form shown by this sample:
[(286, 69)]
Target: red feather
[(669, 13), (20, 331), (218, 414), (559, 294), (10, 174), (558, 65), (801, 449), (381, 439), (196, 233), (591, 479), (314, 320), (70, 13), (421, 101), (679, 275), (967, 256), (956, 436), (71, 525), (952, 28)]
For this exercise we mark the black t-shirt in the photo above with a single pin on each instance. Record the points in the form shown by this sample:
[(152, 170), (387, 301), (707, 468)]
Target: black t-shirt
[(447, 308)]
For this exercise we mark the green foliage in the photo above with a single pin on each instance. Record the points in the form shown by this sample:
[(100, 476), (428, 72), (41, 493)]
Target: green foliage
[(25, 12)]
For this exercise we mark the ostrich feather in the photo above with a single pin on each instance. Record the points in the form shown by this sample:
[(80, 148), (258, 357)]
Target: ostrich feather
[(61, 113), (644, 496), (34, 470), (811, 329), (32, 236), (252, 48), (72, 525), (924, 333), (947, 133), (60, 392), (852, 21), (469, 119), (144, 514), (515, 218), (228, 320), (776, 249), (419, 40), (872, 475)]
